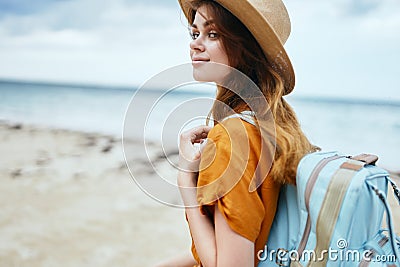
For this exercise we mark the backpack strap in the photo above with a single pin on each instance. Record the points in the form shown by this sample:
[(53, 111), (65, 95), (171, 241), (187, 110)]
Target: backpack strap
[(246, 115), (396, 190), (366, 159), (389, 219), (330, 209)]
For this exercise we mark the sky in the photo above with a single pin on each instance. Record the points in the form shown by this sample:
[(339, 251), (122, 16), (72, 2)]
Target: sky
[(339, 48)]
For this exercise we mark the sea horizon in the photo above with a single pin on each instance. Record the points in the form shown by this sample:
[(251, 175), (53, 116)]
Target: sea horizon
[(133, 88), (344, 124)]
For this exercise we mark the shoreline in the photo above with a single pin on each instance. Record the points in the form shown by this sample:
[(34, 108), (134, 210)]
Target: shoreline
[(19, 125), (68, 197)]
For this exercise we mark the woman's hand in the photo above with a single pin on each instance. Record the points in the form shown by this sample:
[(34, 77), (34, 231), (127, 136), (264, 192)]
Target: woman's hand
[(189, 153)]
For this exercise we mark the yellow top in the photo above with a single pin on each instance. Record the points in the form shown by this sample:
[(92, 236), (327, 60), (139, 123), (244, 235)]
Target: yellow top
[(228, 165)]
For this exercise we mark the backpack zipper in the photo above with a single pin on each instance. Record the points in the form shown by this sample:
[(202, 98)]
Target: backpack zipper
[(307, 195)]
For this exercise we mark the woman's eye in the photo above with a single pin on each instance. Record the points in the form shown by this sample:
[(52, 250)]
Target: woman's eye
[(194, 35), (213, 35)]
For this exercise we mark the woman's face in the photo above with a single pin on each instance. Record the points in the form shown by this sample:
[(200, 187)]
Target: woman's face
[(209, 59)]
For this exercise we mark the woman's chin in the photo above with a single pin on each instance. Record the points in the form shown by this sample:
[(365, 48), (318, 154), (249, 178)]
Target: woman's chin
[(204, 74), (201, 77)]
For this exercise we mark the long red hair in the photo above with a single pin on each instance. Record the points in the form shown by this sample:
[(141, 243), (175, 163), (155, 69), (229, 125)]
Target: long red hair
[(246, 56)]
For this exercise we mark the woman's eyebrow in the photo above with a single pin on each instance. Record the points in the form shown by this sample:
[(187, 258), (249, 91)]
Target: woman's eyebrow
[(206, 24)]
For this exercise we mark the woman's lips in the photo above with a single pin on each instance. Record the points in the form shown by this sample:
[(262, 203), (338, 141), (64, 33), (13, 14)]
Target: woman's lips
[(198, 60)]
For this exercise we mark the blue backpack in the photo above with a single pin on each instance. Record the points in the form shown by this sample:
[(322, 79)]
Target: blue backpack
[(333, 217)]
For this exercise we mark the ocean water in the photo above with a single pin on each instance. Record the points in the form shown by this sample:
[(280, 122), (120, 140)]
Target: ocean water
[(350, 126), (81, 108)]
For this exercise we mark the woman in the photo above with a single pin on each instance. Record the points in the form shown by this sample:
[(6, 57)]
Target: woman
[(230, 188)]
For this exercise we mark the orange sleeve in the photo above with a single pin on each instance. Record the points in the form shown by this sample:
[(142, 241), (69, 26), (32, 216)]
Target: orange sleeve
[(228, 165)]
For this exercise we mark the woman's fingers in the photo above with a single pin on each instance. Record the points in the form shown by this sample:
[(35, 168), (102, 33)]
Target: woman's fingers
[(196, 134), (189, 154)]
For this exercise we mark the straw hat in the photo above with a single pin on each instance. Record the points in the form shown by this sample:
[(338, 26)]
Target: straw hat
[(268, 21)]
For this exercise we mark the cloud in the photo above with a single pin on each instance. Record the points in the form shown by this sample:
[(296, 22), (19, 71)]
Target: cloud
[(338, 47), (361, 7), (23, 7), (154, 2), (335, 53), (113, 42), (26, 7), (84, 14)]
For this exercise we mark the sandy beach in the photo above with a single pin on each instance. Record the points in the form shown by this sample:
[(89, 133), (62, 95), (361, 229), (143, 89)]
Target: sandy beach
[(67, 199)]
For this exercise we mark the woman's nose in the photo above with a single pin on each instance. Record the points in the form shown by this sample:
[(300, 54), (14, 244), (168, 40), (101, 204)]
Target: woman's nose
[(197, 44)]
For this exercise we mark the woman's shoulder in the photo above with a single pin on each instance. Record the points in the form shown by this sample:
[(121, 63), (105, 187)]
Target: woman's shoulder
[(233, 128)]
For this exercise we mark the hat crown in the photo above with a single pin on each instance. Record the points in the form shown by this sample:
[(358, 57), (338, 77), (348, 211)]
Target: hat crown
[(276, 15)]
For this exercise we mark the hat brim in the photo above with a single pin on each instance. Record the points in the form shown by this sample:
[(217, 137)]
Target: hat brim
[(264, 34)]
